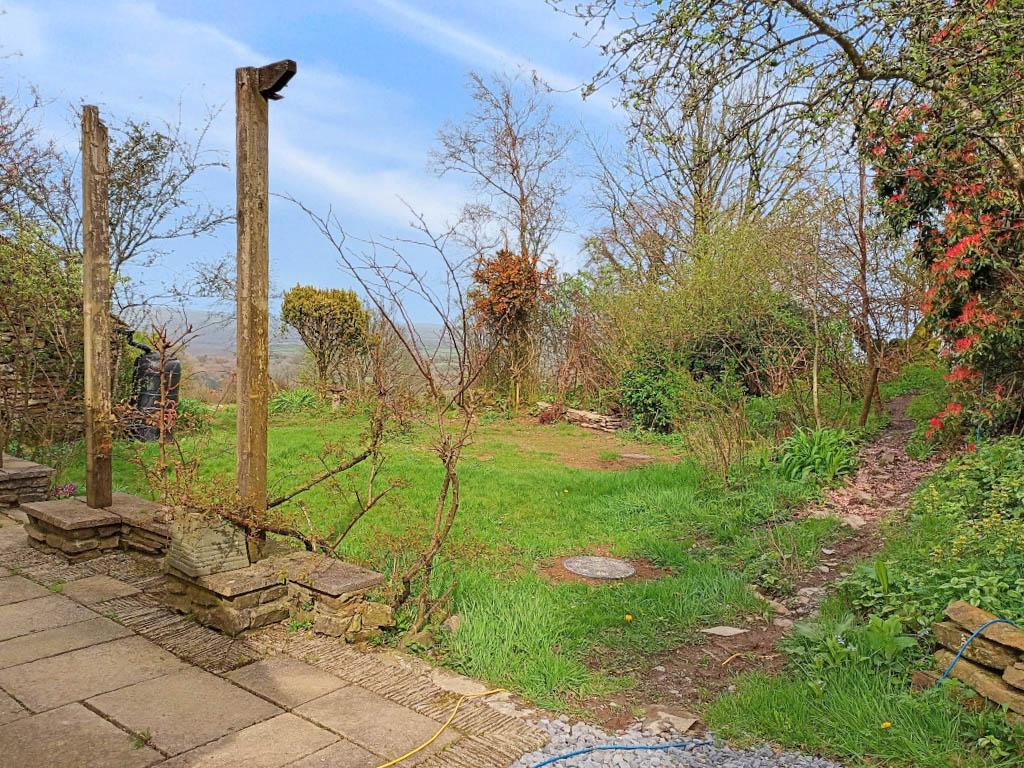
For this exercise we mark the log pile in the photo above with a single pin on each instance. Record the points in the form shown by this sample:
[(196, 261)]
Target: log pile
[(587, 419), (993, 664)]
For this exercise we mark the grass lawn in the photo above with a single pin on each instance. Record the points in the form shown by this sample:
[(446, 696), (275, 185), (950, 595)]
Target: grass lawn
[(532, 493)]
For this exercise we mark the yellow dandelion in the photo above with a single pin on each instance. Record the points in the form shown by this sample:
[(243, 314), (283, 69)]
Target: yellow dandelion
[(628, 617), (886, 725)]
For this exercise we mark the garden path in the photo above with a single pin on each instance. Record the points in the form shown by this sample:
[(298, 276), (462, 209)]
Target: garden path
[(685, 677)]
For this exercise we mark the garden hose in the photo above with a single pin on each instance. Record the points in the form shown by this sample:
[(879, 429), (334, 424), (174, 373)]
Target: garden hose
[(688, 744), (442, 729), (967, 642)]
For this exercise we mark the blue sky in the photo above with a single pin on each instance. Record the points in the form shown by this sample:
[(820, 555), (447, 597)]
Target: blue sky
[(376, 79)]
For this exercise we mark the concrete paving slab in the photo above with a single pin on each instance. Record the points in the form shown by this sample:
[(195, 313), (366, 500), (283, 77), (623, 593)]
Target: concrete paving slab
[(71, 737), (12, 535), (96, 589), (14, 589), (41, 613), (373, 722), (183, 710), (50, 642), (342, 754), (273, 743), (10, 710), (77, 675), (286, 681)]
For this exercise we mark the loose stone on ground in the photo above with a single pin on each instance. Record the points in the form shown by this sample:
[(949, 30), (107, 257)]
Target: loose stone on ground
[(566, 737)]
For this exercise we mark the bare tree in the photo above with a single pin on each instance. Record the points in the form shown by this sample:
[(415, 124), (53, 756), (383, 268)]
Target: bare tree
[(513, 152), (23, 155), (680, 178), (153, 170), (446, 364)]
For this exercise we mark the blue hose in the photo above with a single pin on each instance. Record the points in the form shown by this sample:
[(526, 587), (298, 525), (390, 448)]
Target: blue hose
[(967, 642), (624, 747)]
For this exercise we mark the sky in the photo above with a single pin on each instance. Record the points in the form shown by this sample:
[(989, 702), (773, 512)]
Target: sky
[(376, 79)]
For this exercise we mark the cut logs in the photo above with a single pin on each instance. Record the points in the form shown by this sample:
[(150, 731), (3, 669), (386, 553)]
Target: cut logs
[(586, 419), (993, 664)]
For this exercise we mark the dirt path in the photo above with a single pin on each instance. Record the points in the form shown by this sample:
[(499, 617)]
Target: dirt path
[(685, 678)]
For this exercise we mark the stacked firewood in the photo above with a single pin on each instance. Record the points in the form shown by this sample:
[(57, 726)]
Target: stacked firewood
[(993, 663), (588, 419)]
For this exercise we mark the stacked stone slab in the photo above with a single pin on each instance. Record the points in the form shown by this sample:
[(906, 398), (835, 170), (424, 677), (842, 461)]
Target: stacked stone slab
[(314, 590), (330, 594), (232, 601), (23, 481), (72, 529), (993, 664)]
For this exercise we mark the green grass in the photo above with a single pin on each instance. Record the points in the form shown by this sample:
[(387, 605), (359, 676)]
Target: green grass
[(962, 539), (553, 642), (926, 730)]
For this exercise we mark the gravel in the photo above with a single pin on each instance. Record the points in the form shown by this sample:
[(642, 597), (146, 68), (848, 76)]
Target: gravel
[(568, 737)]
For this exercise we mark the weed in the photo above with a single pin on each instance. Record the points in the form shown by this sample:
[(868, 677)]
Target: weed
[(141, 738), (822, 454), (58, 586)]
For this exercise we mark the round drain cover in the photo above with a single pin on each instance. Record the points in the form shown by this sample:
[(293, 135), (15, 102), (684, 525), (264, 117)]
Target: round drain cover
[(599, 567)]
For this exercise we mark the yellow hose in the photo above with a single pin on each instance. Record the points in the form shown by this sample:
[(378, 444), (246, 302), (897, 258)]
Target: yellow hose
[(442, 729)]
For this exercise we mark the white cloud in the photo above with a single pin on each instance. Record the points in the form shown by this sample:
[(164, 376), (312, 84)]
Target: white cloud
[(452, 39), (335, 138)]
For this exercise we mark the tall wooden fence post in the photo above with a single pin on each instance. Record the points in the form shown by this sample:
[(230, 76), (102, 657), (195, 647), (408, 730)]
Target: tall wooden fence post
[(254, 86), (96, 309)]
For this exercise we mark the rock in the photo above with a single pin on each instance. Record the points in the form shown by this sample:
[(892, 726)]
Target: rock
[(828, 551), (783, 623), (377, 615), (854, 521), (451, 624), (423, 639), (723, 631)]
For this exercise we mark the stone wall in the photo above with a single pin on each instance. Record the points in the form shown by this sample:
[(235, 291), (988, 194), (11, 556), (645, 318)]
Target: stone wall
[(993, 664), (23, 481), (314, 591)]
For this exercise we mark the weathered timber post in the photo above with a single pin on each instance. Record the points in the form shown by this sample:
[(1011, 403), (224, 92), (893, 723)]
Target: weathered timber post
[(96, 296), (254, 87)]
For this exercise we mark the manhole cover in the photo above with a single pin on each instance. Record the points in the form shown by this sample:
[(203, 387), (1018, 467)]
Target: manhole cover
[(599, 567)]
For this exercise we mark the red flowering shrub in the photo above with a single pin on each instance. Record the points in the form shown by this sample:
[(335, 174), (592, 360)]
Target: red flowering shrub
[(962, 191)]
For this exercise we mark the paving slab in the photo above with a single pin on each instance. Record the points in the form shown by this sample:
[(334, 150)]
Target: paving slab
[(183, 710), (373, 722), (341, 754), (77, 675), (71, 737), (273, 743), (10, 710), (70, 514), (325, 574), (41, 613), (286, 681), (12, 536), (50, 642), (14, 589), (96, 589)]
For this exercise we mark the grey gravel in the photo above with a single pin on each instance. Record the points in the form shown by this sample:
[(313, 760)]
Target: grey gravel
[(568, 737)]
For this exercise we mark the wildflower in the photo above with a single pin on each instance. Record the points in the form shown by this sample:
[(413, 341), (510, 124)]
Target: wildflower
[(628, 617), (886, 725)]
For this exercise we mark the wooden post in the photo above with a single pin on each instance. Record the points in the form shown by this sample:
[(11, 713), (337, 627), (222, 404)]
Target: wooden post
[(254, 86), (96, 309)]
